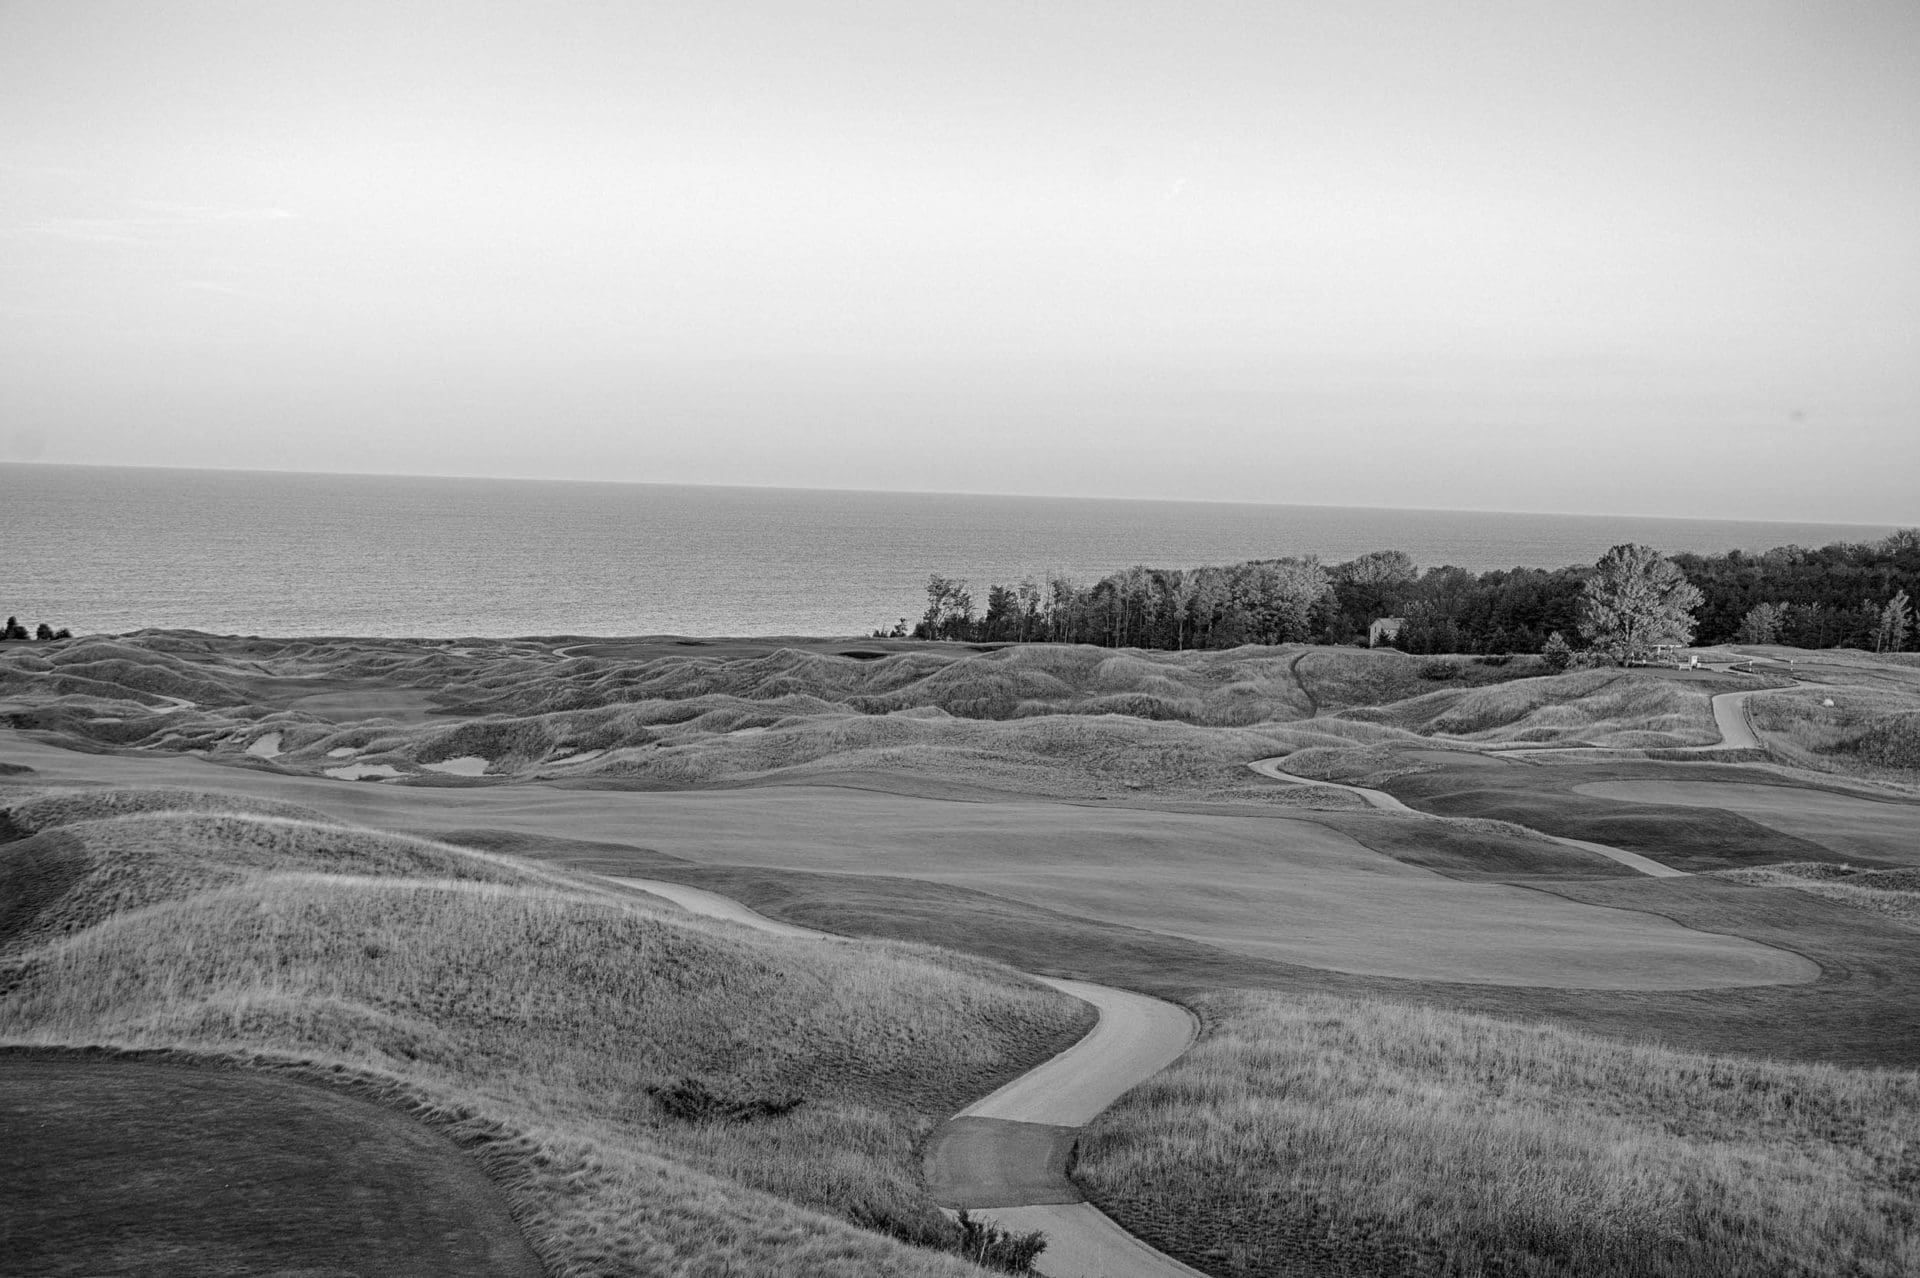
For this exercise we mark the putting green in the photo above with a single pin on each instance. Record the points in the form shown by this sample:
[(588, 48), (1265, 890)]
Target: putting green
[(1274, 887)]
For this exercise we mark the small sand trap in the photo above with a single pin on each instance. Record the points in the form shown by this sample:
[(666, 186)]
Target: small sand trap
[(467, 765), (747, 732), (580, 757), (265, 747), (343, 752), (361, 771)]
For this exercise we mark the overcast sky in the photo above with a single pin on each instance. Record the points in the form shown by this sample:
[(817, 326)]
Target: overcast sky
[(1656, 258)]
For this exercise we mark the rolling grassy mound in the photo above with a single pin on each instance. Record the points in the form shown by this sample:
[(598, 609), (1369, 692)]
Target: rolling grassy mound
[(559, 1016), (1593, 707), (1324, 1135), (1053, 719), (1893, 894), (1868, 730)]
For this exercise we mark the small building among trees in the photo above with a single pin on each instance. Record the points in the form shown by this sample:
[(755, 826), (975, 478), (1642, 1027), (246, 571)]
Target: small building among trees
[(1384, 631)]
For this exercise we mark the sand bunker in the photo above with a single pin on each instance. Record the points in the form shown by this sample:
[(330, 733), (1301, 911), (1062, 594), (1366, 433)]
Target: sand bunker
[(747, 732), (467, 765), (361, 771), (265, 747), (581, 757), (342, 752)]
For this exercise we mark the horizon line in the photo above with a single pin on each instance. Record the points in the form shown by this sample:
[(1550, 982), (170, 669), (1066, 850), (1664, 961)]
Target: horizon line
[(935, 492)]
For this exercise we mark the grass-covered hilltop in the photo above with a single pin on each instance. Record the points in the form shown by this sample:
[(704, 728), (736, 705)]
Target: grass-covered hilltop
[(431, 956)]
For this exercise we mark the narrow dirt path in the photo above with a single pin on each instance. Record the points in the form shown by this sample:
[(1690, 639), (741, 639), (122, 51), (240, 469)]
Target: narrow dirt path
[(1004, 1157)]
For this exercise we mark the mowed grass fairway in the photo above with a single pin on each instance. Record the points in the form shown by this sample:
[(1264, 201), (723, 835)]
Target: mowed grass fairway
[(1255, 882), (116, 1165), (1881, 830), (1323, 1135)]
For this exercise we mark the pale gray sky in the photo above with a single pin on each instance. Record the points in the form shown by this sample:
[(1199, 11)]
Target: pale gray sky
[(1647, 258)]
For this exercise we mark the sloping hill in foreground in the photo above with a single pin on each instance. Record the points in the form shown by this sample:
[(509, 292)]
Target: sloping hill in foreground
[(651, 1091), (1329, 1135)]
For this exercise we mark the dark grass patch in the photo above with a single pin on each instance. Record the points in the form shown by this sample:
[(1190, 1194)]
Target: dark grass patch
[(36, 875), (1543, 797), (114, 1165), (692, 1101), (1471, 850)]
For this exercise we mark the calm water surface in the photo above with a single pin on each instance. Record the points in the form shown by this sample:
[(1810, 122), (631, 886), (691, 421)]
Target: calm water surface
[(239, 552)]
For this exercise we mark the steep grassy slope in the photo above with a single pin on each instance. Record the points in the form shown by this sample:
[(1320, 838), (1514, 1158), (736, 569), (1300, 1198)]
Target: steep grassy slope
[(541, 1008), (1322, 1135)]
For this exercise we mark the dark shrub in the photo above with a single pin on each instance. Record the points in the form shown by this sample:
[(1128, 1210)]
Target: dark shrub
[(988, 1244), (692, 1101)]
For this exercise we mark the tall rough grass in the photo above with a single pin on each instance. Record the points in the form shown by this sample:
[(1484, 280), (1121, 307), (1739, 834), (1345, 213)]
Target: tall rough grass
[(1324, 1135), (544, 1007), (1869, 732)]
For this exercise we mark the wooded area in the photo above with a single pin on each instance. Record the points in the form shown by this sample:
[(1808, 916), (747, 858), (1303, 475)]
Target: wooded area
[(1844, 595)]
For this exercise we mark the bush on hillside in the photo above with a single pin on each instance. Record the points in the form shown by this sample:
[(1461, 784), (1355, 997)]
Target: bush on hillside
[(692, 1101), (987, 1244)]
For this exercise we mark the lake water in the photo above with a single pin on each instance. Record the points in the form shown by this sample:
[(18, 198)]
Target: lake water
[(102, 549)]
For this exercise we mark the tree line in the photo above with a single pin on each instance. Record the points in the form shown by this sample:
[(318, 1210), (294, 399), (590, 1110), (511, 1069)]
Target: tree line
[(1850, 595), (42, 633)]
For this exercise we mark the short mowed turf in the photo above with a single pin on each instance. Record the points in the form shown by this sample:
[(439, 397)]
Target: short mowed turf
[(118, 1164)]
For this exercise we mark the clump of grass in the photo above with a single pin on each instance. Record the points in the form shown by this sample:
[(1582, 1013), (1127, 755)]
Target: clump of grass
[(540, 1005), (1330, 1135)]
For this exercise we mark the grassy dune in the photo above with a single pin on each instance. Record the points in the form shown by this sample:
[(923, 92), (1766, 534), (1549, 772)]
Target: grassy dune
[(1893, 894), (1869, 732), (1047, 719), (1593, 707), (1328, 1135), (537, 1009), (689, 716)]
